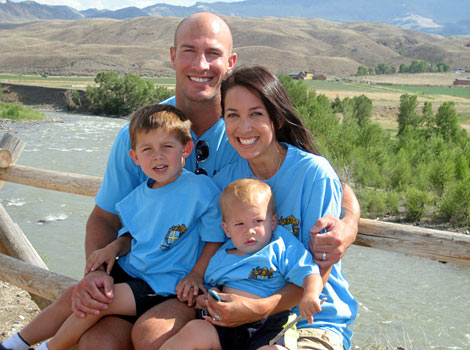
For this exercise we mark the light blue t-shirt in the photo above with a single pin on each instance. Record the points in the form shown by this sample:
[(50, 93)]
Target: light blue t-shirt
[(168, 227), (306, 188), (284, 259), (123, 175)]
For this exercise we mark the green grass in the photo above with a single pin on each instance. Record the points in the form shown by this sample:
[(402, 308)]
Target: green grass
[(432, 90), (37, 77), (19, 112), (340, 86)]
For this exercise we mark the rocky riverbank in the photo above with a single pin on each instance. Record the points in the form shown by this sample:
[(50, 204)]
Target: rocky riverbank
[(16, 309)]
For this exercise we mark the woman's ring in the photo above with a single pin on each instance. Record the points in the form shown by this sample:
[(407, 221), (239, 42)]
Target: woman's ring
[(323, 256), (216, 317)]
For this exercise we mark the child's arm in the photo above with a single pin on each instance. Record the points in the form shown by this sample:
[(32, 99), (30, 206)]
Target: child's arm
[(310, 302), (195, 279), (119, 247)]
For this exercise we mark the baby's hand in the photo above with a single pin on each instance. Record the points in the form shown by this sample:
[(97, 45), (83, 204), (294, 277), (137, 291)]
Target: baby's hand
[(309, 305), (100, 256), (188, 288)]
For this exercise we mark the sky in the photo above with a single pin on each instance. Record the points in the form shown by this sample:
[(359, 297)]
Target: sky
[(118, 4)]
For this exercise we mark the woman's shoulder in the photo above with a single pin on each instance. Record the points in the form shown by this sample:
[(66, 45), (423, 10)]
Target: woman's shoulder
[(308, 162)]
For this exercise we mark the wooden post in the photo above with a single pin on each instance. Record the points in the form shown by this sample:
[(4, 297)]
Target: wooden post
[(10, 150), (35, 280), (17, 245)]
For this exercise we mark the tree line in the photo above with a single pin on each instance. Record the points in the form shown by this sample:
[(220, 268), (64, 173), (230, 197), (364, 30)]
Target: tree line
[(417, 66), (421, 172)]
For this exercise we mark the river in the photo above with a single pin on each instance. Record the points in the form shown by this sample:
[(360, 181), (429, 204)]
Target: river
[(404, 301)]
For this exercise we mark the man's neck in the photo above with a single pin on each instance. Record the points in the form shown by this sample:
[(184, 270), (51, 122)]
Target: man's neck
[(203, 115)]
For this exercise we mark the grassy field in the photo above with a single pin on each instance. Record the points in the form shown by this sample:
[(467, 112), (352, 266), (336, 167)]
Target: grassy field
[(383, 90)]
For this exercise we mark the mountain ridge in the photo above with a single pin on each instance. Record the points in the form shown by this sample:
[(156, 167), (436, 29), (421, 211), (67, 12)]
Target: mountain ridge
[(141, 46), (449, 18)]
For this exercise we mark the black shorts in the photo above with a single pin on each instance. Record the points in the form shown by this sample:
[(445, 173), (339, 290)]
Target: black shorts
[(252, 336), (145, 297)]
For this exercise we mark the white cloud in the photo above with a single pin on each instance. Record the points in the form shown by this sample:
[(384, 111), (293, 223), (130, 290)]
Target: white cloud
[(117, 4)]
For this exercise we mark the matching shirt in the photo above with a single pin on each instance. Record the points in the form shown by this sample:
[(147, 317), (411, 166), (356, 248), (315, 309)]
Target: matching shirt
[(169, 226), (284, 259), (306, 188)]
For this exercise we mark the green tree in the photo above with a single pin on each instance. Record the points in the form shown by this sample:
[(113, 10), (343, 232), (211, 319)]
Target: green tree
[(403, 68), (428, 120), (407, 116), (121, 95), (361, 70), (362, 110), (446, 120)]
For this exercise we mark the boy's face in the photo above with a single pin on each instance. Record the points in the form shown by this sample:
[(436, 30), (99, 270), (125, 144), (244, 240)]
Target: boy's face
[(249, 227), (160, 155)]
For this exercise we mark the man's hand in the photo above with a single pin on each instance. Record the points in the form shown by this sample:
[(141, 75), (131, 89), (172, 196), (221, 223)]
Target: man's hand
[(328, 248), (188, 288), (92, 294)]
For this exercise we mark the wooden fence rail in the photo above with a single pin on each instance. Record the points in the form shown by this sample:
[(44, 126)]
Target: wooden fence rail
[(406, 239)]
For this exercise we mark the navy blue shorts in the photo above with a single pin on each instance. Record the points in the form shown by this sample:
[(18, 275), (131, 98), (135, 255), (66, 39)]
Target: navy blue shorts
[(252, 336), (145, 297)]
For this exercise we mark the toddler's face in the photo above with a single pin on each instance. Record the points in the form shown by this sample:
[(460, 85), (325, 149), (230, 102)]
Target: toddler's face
[(249, 226)]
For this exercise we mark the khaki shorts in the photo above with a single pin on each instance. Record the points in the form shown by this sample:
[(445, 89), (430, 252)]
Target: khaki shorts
[(318, 339)]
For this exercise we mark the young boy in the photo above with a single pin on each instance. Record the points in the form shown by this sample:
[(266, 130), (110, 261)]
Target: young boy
[(165, 222), (257, 261)]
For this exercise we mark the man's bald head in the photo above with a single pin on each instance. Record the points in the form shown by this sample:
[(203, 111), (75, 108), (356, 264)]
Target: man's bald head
[(216, 23)]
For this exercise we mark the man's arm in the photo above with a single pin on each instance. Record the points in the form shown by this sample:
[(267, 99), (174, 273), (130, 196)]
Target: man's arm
[(341, 233), (95, 290), (101, 229)]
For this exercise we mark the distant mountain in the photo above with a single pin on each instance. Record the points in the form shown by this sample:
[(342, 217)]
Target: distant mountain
[(449, 17), (283, 45)]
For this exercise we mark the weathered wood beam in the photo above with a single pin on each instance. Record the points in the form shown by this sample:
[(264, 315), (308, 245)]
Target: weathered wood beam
[(10, 150), (16, 244), (412, 240), (52, 180), (35, 280)]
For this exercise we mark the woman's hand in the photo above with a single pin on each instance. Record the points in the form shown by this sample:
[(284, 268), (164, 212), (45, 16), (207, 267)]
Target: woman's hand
[(235, 310)]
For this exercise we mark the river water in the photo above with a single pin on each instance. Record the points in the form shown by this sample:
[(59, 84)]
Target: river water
[(404, 301)]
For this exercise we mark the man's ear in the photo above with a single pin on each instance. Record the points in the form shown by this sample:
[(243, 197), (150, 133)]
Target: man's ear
[(173, 55), (231, 61), (188, 148), (225, 227), (134, 157)]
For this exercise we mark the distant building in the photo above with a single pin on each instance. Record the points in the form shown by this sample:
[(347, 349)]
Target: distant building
[(306, 75), (297, 75), (462, 81), (319, 77)]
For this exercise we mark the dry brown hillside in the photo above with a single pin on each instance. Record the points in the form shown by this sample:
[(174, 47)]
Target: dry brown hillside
[(284, 45)]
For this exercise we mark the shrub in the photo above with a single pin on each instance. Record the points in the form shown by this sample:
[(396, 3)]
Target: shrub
[(455, 204), (415, 204)]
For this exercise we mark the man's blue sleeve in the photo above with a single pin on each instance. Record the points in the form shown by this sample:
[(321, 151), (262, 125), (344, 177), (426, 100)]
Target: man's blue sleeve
[(122, 174)]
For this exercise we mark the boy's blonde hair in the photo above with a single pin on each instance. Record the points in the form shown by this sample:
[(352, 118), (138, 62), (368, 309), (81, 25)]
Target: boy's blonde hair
[(249, 192), (167, 117)]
